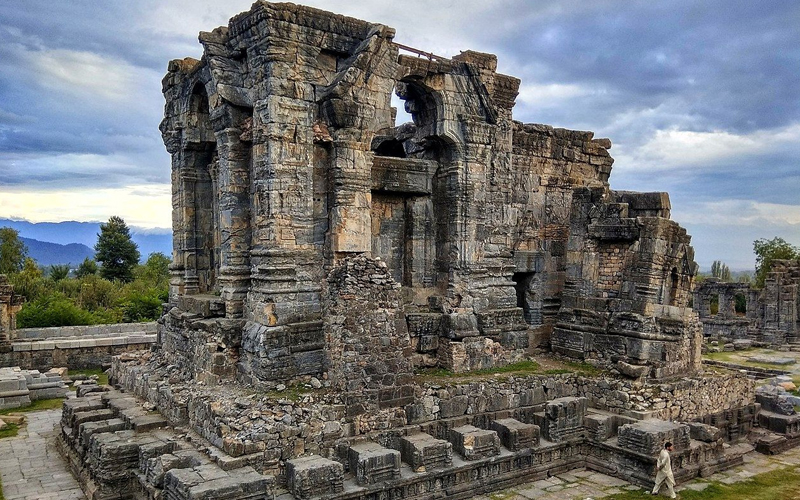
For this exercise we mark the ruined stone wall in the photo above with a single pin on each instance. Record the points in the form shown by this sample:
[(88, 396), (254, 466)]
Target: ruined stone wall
[(726, 324), (778, 319), (75, 347), (629, 276), (317, 420), (368, 350), (530, 208), (771, 316), (10, 304)]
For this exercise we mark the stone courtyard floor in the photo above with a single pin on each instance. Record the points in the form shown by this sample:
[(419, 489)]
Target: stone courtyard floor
[(30, 466), (32, 469)]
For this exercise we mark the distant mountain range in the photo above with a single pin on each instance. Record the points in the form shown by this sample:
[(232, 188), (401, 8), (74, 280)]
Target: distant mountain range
[(47, 254), (70, 242)]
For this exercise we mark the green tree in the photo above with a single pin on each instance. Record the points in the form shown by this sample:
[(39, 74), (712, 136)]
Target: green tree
[(29, 282), (768, 251), (58, 272), (116, 250), (720, 270), (155, 270), (87, 268), (12, 251)]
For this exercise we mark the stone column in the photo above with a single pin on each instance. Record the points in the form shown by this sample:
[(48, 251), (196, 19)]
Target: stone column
[(234, 219), (186, 232), (350, 218), (178, 266)]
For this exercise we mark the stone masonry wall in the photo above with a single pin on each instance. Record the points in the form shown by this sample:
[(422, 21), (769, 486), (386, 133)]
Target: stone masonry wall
[(368, 355), (317, 420), (76, 347)]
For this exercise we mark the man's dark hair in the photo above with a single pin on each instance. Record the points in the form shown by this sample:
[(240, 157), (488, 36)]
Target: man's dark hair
[(667, 445)]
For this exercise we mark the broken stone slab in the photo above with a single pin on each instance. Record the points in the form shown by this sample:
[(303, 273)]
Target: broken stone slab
[(633, 371), (372, 463), (774, 399), (156, 468), (516, 435), (603, 426), (649, 436), (742, 344), (473, 443), (704, 432), (772, 360), (424, 452), (788, 425), (86, 389), (314, 476)]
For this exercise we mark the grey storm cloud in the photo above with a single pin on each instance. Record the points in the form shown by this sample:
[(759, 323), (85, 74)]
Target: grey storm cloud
[(701, 99)]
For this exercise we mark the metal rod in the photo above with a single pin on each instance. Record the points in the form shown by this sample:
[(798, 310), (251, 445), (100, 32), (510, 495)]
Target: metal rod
[(429, 55)]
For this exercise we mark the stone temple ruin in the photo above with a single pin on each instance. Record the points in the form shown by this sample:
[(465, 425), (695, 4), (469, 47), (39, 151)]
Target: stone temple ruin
[(324, 255), (771, 315)]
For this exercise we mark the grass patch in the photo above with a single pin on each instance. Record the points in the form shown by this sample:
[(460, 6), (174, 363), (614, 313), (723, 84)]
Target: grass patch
[(10, 431), (740, 358), (521, 367), (293, 393), (502, 495), (528, 367), (783, 484), (102, 376), (576, 367), (38, 405)]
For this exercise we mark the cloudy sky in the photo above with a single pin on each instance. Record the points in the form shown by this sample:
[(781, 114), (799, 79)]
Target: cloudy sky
[(701, 99)]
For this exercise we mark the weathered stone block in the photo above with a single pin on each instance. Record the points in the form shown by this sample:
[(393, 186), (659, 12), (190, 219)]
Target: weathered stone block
[(704, 432), (424, 452), (562, 419), (516, 435), (473, 443), (314, 476), (649, 436), (372, 463)]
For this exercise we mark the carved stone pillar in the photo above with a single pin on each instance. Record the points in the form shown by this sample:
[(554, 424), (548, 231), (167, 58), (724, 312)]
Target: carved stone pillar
[(234, 219)]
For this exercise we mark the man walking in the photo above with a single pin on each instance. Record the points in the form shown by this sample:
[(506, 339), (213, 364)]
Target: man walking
[(664, 471)]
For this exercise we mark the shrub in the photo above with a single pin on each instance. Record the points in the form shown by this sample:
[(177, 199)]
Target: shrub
[(53, 310)]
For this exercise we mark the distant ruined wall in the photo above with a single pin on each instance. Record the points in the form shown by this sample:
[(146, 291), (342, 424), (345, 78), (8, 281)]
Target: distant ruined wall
[(76, 347), (10, 304), (772, 315)]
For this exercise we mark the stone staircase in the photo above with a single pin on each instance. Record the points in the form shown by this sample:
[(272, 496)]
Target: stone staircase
[(120, 450)]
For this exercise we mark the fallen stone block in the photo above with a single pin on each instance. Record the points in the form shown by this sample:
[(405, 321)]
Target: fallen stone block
[(774, 399), (788, 425), (704, 432)]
